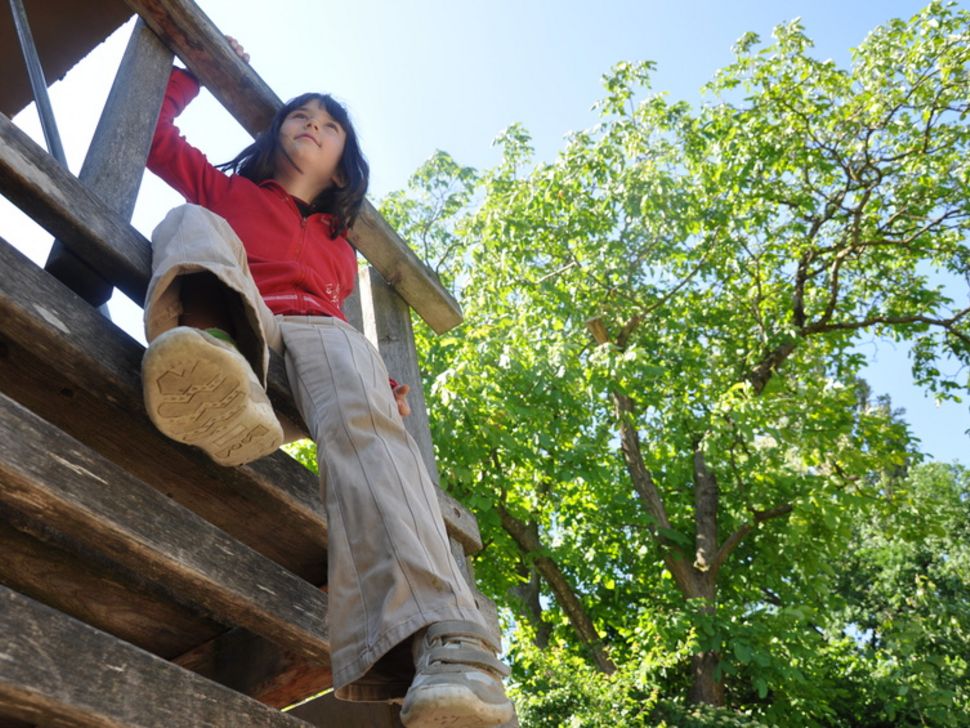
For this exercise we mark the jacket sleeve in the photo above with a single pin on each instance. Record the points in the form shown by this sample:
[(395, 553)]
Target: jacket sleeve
[(177, 162)]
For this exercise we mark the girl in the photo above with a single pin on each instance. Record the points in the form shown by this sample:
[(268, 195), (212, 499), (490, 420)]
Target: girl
[(260, 260)]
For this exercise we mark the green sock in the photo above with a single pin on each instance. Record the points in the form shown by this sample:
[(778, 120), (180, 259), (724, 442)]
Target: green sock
[(223, 336)]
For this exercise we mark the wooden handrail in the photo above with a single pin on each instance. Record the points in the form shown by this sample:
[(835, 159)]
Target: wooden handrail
[(193, 37)]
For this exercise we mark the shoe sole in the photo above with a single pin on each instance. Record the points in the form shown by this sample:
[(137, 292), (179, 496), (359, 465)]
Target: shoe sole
[(203, 393), (452, 706)]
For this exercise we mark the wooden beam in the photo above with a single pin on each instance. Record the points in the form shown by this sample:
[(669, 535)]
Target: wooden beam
[(413, 281), (58, 671), (115, 162), (327, 711), (194, 38), (81, 494), (79, 371), (64, 574), (59, 203), (258, 668), (387, 323), (96, 384), (187, 30)]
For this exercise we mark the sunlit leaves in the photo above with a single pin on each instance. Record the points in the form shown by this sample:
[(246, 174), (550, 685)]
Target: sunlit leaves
[(734, 254)]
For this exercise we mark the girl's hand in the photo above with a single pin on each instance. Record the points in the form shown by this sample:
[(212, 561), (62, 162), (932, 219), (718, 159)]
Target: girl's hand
[(237, 47), (400, 394)]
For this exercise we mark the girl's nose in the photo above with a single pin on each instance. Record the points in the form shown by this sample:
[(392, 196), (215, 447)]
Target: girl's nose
[(312, 122)]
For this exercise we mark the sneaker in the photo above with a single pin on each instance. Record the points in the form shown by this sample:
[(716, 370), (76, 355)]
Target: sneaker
[(201, 391), (458, 680)]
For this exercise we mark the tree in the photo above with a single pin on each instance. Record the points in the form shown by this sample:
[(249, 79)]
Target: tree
[(906, 605), (654, 402)]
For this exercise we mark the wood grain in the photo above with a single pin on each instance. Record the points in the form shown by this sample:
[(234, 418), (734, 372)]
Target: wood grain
[(79, 371), (115, 162), (60, 672), (83, 495)]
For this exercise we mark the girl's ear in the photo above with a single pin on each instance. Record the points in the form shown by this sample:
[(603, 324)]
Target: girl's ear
[(338, 180)]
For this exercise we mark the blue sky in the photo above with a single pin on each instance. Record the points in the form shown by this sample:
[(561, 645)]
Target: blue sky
[(425, 75)]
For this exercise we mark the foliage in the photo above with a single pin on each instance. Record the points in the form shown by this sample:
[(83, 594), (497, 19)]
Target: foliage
[(906, 590), (654, 404), (560, 690)]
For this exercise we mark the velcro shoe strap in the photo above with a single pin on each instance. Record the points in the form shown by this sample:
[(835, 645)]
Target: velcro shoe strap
[(468, 656), (462, 628)]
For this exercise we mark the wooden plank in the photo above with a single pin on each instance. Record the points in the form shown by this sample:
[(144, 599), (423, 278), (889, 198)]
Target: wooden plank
[(115, 162), (327, 711), (96, 385), (80, 493), (62, 573), (187, 30), (414, 281), (62, 359), (58, 671), (59, 203), (258, 668)]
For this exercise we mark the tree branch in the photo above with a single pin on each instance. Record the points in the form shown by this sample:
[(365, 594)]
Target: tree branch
[(735, 538), (948, 324), (526, 536)]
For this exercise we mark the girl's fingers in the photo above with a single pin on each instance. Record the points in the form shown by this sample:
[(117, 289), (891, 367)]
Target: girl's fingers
[(237, 47)]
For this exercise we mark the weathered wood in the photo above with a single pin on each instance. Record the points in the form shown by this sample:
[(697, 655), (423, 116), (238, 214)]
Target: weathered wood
[(74, 368), (458, 553), (57, 201), (258, 668), (200, 45), (62, 573), (351, 308), (6, 722), (90, 499), (189, 32), (327, 711), (414, 281), (100, 359), (115, 162), (57, 671)]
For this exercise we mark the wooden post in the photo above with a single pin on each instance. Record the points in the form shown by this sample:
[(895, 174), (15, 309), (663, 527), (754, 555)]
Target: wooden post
[(115, 161)]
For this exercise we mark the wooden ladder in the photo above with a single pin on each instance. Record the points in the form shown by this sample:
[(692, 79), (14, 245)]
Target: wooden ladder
[(141, 584)]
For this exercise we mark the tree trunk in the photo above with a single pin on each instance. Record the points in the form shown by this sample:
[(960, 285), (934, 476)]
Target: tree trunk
[(705, 687), (527, 594)]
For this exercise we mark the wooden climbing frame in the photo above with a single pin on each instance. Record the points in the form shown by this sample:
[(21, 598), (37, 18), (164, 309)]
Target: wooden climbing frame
[(141, 584)]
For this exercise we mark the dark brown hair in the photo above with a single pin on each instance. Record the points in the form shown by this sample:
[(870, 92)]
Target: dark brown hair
[(257, 162)]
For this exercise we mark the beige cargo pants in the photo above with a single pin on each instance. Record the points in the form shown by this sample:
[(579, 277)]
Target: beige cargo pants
[(390, 568)]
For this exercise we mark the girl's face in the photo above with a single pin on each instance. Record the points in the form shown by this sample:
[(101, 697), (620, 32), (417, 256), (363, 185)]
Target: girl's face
[(315, 143)]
